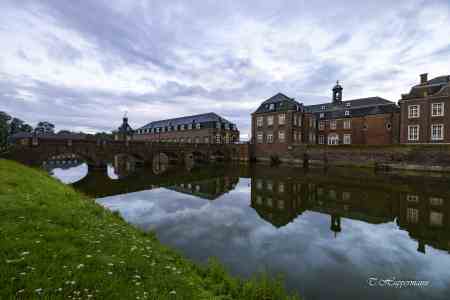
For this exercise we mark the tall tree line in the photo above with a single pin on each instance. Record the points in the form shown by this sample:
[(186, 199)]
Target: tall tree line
[(9, 126)]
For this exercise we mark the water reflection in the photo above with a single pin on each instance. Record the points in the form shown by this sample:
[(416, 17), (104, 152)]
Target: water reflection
[(318, 228)]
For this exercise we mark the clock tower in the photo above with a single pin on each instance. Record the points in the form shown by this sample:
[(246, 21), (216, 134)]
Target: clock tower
[(337, 93)]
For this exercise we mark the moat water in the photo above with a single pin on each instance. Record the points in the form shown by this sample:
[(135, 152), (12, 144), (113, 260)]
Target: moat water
[(335, 234)]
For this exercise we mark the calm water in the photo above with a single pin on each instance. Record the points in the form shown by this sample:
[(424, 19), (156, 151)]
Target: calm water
[(327, 232)]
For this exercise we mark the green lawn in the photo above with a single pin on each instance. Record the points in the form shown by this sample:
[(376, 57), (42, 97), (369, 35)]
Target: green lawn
[(56, 243)]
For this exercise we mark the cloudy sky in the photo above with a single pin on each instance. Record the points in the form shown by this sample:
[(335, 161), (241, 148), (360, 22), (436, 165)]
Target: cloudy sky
[(82, 64)]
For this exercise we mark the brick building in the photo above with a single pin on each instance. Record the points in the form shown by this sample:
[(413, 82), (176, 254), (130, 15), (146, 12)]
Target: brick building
[(368, 121), (425, 111), (203, 128), (278, 123)]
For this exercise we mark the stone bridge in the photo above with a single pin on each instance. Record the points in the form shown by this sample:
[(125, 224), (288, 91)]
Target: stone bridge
[(97, 153)]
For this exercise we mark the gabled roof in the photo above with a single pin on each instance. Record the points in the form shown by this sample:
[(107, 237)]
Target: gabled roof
[(201, 118), (354, 103), (280, 102), (432, 87)]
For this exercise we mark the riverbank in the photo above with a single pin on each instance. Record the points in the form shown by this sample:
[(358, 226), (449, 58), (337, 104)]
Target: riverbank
[(57, 243)]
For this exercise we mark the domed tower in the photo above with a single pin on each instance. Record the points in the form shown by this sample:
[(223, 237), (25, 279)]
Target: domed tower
[(337, 93)]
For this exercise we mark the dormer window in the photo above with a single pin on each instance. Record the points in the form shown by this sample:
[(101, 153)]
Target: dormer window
[(323, 107), (272, 106), (347, 113), (348, 104)]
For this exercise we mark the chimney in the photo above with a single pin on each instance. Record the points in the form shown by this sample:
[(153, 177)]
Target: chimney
[(423, 78)]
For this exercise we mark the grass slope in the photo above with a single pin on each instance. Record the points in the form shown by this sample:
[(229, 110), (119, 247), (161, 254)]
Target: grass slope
[(56, 243)]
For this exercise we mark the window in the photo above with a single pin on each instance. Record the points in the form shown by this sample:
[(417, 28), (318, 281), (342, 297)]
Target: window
[(437, 109), (269, 202), (198, 126), (322, 125), (311, 123), (299, 122), (189, 126), (259, 137), (197, 140), (269, 120), (281, 204), (321, 139), (312, 138), (388, 126), (182, 140), (259, 121), (348, 104), (436, 218), (218, 139), (323, 107), (269, 185), (272, 106), (347, 139), (189, 140), (259, 184), (281, 187), (294, 136), (295, 120), (333, 139), (413, 111), (259, 200), (412, 198), (437, 132), (436, 201), (281, 137), (412, 215), (281, 119), (321, 115), (347, 113), (270, 137), (218, 125), (347, 124), (206, 139), (413, 132), (182, 127), (333, 124)]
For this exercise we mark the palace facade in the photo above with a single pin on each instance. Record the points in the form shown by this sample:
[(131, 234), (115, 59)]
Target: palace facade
[(425, 111), (204, 128)]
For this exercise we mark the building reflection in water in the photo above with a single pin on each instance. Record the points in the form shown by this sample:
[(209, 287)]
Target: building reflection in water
[(207, 189), (417, 205), (426, 216)]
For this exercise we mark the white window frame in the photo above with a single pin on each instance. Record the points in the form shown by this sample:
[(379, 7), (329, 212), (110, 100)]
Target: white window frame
[(437, 138), (259, 121), (281, 119), (438, 113), (347, 139), (281, 136), (259, 137), (333, 124), (269, 138), (198, 126), (413, 113), (321, 115), (321, 125), (333, 139), (347, 113), (269, 120), (347, 124), (412, 138), (321, 139)]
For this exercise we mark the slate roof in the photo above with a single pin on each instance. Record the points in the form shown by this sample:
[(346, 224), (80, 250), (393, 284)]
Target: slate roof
[(356, 107), (281, 103), (432, 87), (201, 118)]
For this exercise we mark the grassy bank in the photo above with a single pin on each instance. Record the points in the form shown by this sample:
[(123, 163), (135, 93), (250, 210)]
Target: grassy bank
[(58, 244)]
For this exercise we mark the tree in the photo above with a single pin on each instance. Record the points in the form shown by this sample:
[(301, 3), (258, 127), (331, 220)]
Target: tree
[(45, 128), (4, 128)]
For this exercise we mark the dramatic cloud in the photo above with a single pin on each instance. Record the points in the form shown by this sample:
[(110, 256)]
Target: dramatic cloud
[(81, 64)]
